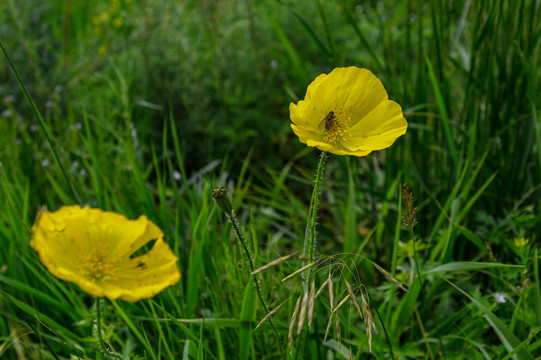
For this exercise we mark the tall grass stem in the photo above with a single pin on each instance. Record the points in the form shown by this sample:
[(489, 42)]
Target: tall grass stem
[(42, 123), (416, 261)]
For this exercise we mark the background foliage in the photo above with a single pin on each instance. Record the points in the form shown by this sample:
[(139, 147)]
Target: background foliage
[(151, 104)]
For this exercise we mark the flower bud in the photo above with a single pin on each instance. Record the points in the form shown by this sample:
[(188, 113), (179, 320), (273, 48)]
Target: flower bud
[(222, 200)]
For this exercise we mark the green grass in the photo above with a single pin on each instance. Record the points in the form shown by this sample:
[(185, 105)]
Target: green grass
[(193, 95)]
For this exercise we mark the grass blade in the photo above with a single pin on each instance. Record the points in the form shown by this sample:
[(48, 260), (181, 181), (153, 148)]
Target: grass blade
[(536, 296), (443, 112), (42, 123), (247, 313), (506, 336), (467, 266)]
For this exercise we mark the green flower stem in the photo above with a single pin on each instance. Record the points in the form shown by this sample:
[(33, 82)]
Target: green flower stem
[(98, 320), (223, 201), (310, 234), (249, 257)]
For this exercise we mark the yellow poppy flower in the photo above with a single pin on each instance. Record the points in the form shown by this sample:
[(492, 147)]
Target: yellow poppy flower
[(93, 248), (347, 112)]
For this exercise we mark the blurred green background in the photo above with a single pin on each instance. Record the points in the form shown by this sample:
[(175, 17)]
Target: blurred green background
[(465, 74)]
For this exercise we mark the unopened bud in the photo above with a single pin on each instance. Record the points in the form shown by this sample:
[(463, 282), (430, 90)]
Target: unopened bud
[(222, 200)]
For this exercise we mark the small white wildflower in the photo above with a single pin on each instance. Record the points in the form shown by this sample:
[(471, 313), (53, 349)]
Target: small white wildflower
[(500, 298), (74, 165), (177, 175)]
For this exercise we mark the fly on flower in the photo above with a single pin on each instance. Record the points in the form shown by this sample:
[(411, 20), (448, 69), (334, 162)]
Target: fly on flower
[(328, 122), (95, 250), (347, 112)]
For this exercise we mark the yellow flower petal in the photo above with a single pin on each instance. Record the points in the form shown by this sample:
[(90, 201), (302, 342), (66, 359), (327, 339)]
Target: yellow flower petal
[(379, 128), (352, 90), (347, 112), (93, 249)]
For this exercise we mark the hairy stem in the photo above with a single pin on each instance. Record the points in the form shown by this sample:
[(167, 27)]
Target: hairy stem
[(98, 325), (246, 250), (224, 203), (310, 233)]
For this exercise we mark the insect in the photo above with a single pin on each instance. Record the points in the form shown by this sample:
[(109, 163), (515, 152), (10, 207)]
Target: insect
[(329, 122)]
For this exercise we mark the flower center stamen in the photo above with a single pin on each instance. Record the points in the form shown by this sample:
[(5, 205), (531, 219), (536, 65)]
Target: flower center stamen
[(338, 129), (97, 265)]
